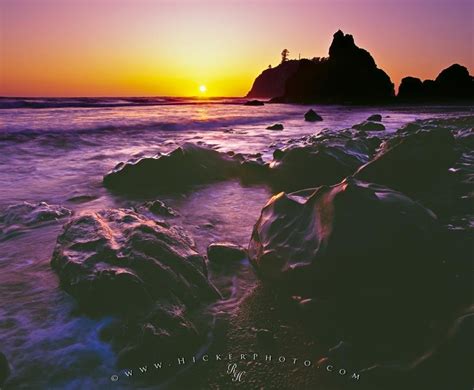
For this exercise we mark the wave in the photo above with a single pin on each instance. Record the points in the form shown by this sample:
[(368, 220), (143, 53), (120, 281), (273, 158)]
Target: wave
[(39, 103), (130, 127)]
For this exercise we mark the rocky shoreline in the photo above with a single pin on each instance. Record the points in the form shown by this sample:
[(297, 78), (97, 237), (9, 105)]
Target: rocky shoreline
[(362, 258), (374, 245)]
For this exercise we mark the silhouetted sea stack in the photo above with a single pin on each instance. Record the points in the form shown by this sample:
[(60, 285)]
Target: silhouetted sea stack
[(271, 82), (453, 83), (348, 75)]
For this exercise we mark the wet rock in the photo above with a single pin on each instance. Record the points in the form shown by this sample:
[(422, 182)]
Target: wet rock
[(17, 217), (4, 369), (312, 116), (29, 214), (120, 259), (276, 126), (82, 198), (252, 169), (187, 165), (369, 126), (158, 207), (375, 118), (223, 253), (352, 242), (411, 162), (325, 158), (298, 167), (145, 272), (254, 103)]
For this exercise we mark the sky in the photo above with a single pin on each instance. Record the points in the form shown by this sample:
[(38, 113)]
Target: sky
[(172, 47)]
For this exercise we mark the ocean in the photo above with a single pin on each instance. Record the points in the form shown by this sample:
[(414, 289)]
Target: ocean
[(58, 150)]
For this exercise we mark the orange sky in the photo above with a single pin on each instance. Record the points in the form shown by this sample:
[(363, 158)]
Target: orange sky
[(159, 47)]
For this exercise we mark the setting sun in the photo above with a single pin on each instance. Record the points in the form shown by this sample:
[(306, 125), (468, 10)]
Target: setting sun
[(202, 89)]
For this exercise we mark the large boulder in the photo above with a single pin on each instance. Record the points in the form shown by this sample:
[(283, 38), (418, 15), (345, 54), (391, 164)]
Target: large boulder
[(353, 243), (146, 272), (187, 165), (326, 158), (412, 162), (119, 258), (298, 167)]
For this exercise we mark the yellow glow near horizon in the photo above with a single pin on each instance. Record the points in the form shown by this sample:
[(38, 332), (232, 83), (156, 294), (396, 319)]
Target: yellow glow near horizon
[(164, 47), (202, 89)]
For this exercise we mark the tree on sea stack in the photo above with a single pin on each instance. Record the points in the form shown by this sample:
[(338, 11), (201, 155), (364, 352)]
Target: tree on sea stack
[(284, 55)]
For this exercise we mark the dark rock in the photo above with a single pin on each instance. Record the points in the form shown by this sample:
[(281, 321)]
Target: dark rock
[(348, 75), (466, 137), (82, 198), (369, 126), (453, 83), (309, 166), (160, 208), (312, 116), (410, 163), (187, 165), (353, 243), (17, 217), (118, 259), (4, 369), (410, 88), (265, 338), (223, 253), (30, 214), (278, 154), (271, 82), (147, 273), (445, 365), (326, 158), (450, 361), (276, 126), (254, 103), (253, 171), (375, 118)]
